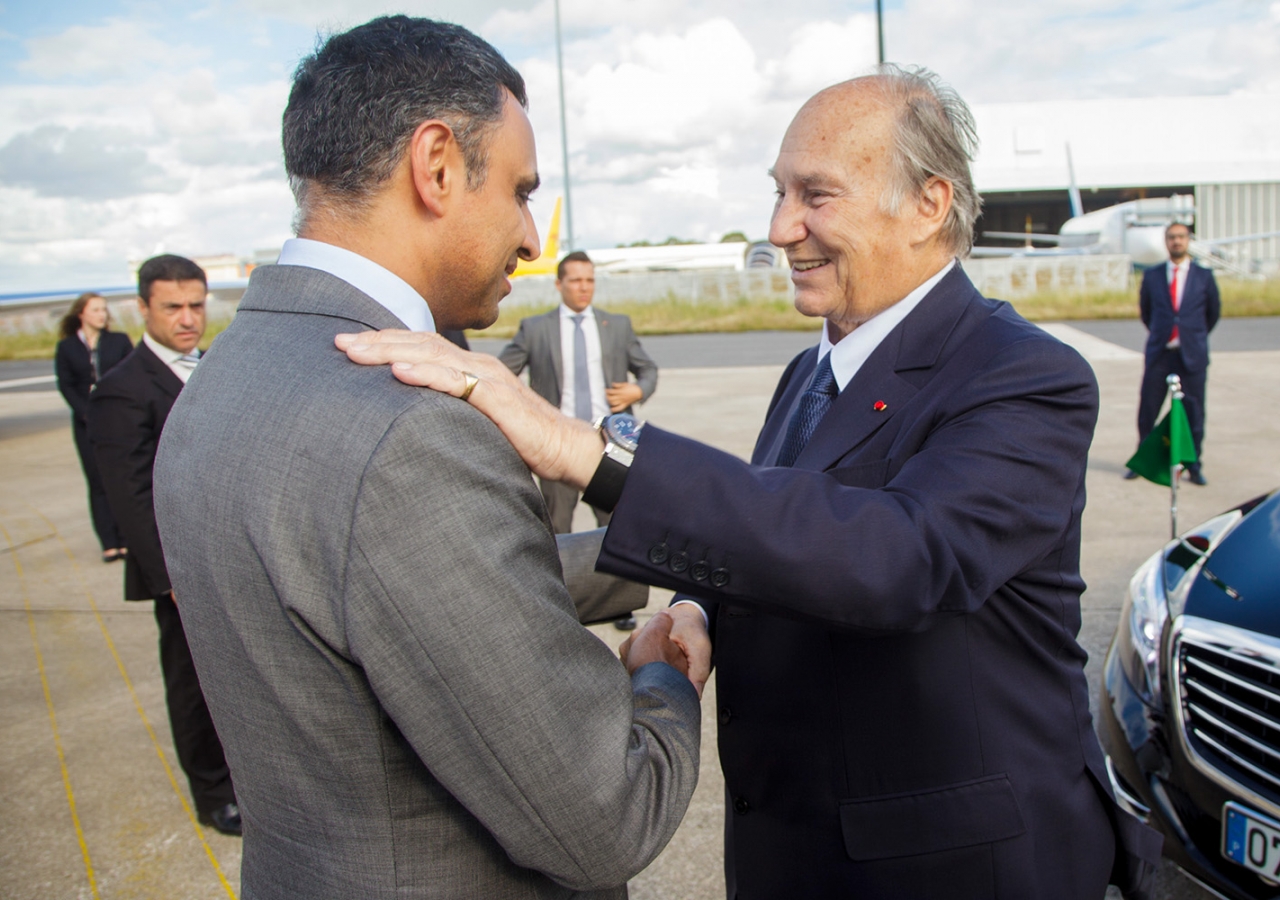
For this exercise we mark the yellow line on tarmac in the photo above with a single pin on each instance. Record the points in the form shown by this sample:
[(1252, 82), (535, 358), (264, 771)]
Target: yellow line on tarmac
[(137, 704), (53, 716)]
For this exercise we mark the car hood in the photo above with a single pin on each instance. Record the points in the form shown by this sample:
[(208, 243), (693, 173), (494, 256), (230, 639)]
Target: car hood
[(1240, 581)]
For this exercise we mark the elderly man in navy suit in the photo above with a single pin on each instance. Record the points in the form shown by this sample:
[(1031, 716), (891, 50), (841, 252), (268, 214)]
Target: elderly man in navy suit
[(892, 584), (1180, 305)]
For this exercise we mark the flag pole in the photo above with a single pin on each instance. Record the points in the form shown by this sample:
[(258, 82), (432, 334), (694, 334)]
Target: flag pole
[(1175, 468)]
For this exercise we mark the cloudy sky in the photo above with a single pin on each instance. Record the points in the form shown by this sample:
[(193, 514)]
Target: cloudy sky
[(131, 125)]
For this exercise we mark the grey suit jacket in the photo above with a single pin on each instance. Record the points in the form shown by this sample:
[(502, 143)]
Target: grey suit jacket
[(376, 609), (537, 345)]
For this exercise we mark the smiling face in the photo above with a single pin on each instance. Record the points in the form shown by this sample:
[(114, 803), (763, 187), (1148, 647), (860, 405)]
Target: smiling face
[(849, 258), (494, 228)]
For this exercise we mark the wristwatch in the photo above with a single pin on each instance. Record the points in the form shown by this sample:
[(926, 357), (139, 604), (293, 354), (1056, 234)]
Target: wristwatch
[(621, 435)]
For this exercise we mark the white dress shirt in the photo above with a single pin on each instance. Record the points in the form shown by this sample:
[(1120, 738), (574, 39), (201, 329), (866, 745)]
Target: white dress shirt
[(382, 285), (848, 356), (595, 363), (170, 357)]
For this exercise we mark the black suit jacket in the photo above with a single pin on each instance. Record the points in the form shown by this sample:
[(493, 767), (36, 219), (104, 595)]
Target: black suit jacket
[(74, 369), (127, 412), (903, 707), (1195, 318)]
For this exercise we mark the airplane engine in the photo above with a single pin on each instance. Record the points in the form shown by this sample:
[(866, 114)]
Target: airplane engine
[(1145, 244)]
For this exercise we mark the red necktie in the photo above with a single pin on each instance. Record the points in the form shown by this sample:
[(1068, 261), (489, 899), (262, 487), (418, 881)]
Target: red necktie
[(1173, 298)]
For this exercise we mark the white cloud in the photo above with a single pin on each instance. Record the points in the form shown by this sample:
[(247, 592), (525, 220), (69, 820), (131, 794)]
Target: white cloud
[(824, 53), (88, 163), (676, 107), (114, 50)]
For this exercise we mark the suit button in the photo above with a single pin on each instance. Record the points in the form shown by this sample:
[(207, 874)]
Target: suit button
[(741, 806), (679, 561), (658, 553), (719, 577), (700, 570), (725, 715)]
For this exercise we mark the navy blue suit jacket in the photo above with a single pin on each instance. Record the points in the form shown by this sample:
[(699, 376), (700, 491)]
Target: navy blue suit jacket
[(903, 707), (1195, 318)]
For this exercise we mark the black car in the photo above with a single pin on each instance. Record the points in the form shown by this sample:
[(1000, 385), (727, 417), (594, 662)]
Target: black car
[(1191, 700)]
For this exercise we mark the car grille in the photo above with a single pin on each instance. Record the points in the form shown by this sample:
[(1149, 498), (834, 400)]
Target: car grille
[(1230, 698)]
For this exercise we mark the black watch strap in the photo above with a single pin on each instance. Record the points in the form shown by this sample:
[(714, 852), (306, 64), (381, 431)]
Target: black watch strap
[(606, 485)]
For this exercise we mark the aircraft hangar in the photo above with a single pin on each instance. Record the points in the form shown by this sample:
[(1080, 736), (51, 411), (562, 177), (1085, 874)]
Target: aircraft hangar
[(1223, 150)]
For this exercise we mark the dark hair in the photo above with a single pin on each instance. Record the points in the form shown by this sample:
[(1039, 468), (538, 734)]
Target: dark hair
[(167, 268), (70, 323), (575, 256), (357, 100)]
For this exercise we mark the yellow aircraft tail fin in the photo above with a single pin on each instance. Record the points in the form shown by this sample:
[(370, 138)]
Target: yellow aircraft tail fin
[(546, 263)]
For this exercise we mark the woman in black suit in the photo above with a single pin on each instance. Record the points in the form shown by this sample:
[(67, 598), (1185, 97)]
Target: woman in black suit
[(86, 352)]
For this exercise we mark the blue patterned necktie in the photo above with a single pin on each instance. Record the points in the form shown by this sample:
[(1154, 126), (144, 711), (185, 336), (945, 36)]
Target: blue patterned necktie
[(814, 403), (581, 378), (188, 360)]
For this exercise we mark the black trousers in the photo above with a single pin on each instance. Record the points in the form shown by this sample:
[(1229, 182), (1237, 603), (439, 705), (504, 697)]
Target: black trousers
[(1154, 389), (103, 522), (194, 737)]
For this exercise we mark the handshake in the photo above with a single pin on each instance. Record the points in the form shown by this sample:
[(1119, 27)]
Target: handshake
[(676, 636)]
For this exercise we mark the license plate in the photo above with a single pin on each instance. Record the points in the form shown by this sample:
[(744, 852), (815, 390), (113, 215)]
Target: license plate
[(1252, 840)]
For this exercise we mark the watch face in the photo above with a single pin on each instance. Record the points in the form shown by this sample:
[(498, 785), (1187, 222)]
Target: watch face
[(623, 429)]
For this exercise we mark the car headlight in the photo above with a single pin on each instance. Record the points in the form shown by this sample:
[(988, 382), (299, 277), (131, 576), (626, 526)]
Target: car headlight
[(1145, 613)]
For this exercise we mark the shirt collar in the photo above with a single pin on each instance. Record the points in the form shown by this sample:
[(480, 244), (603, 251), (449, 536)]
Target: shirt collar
[(567, 313), (381, 284), (848, 356), (167, 355)]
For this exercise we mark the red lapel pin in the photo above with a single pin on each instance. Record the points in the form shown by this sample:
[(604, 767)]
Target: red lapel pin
[(880, 406)]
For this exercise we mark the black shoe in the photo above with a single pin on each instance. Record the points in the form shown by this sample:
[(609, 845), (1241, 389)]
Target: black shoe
[(626, 623), (1129, 475), (1197, 478), (225, 819)]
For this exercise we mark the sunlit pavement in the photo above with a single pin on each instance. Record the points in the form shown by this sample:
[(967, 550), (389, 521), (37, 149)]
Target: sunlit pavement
[(92, 801)]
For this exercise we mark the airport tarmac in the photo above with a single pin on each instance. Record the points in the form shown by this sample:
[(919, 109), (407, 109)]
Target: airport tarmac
[(92, 802)]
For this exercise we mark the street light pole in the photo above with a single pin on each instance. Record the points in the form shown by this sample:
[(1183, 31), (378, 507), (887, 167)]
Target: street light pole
[(564, 139), (879, 27)]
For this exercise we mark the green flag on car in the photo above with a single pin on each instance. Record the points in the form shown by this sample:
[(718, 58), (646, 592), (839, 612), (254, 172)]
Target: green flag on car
[(1168, 444)]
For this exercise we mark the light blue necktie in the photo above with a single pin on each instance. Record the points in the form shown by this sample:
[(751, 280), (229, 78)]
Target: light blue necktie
[(814, 403), (581, 378), (188, 360)]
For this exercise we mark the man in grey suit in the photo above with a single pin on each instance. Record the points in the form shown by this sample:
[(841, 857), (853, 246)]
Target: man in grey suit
[(572, 344), (341, 542)]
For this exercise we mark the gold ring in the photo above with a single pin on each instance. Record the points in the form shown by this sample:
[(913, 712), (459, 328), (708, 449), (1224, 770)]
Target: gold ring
[(471, 381)]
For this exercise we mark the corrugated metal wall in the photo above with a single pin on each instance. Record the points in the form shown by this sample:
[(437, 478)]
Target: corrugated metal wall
[(1230, 210)]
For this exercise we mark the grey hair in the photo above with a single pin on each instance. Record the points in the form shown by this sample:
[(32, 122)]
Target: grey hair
[(934, 135)]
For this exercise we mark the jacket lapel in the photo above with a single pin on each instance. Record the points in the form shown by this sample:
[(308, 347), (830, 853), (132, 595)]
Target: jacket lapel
[(161, 375), (551, 329), (879, 392)]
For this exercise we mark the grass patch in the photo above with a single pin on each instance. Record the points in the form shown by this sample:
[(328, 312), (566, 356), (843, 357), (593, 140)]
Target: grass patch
[(676, 315), (1239, 298), (42, 344)]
